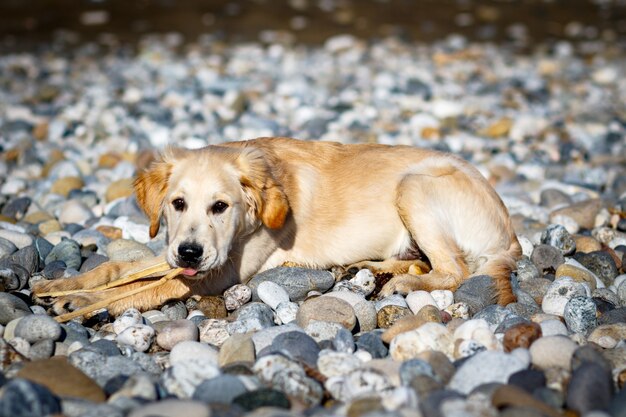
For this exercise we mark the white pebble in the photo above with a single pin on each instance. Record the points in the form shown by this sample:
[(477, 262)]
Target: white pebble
[(74, 211), (560, 292), (272, 294), (138, 336), (466, 330), (130, 317), (553, 328), (443, 298), (416, 300), (189, 351)]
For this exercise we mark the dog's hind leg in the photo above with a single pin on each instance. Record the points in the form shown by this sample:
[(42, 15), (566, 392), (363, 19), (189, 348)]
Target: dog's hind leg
[(392, 266), (458, 222)]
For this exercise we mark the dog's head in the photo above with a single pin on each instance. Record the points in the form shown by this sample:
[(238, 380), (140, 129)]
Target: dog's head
[(209, 198)]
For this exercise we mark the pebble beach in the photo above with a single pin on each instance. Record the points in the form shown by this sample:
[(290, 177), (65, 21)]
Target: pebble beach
[(546, 125)]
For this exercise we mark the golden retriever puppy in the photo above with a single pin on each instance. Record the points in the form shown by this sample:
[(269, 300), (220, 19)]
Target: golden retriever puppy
[(240, 208)]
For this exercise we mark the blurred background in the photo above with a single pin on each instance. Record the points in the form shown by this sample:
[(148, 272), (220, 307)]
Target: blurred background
[(313, 21)]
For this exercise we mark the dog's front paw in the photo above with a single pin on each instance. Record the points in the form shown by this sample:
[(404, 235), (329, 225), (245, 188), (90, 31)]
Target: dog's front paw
[(73, 302)]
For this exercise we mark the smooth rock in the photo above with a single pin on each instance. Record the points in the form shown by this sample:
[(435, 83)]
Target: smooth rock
[(67, 251), (212, 306), (429, 336), (221, 389), (22, 398), (272, 294), (175, 332), (476, 292), (238, 348), (127, 250), (329, 309), (584, 212), (214, 331), (553, 328), (297, 346), (418, 299), (62, 379), (601, 264), (34, 328), (332, 363), (546, 258), (364, 310), (298, 282), (63, 186), (192, 351), (591, 388), (174, 310), (443, 298), (371, 342), (608, 335), (11, 308), (552, 351), (74, 211), (521, 336), (577, 274), (486, 367), (172, 408), (183, 377)]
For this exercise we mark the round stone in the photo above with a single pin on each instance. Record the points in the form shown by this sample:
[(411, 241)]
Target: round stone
[(484, 368), (128, 250), (557, 236), (418, 299), (390, 314), (175, 332), (128, 318), (324, 308), (11, 308), (429, 336), (193, 351), (559, 293), (521, 336), (34, 328), (172, 408), (272, 294), (552, 351), (137, 336)]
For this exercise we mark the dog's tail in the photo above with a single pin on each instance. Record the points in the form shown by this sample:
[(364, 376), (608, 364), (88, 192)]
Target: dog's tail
[(499, 267)]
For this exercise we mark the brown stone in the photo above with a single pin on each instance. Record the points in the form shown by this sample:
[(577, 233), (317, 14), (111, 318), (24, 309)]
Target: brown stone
[(54, 157), (7, 219), (536, 288), (363, 406), (584, 212), (238, 348), (521, 335), (389, 314), (440, 363), (577, 274), (109, 160), (329, 309), (407, 323), (499, 128), (429, 313), (586, 244), (63, 186), (212, 306), (111, 232), (49, 226), (37, 217), (62, 379), (510, 395), (40, 131), (119, 189)]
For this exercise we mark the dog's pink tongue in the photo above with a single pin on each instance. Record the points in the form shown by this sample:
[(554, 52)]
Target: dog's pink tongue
[(189, 272)]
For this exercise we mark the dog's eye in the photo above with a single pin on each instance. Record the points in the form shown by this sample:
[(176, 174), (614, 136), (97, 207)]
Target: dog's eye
[(178, 204), (219, 207)]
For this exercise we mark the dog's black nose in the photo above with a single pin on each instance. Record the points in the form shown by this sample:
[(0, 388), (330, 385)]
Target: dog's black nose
[(189, 253)]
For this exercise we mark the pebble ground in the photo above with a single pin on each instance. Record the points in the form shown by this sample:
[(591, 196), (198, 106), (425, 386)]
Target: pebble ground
[(546, 127)]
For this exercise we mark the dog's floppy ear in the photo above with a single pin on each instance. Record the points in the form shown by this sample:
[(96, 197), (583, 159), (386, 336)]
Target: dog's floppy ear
[(151, 187), (266, 194)]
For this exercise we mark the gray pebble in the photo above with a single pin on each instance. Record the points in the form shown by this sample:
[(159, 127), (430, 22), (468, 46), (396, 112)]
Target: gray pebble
[(34, 328), (477, 292), (67, 251), (175, 332), (252, 316), (221, 389), (296, 281), (297, 346)]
